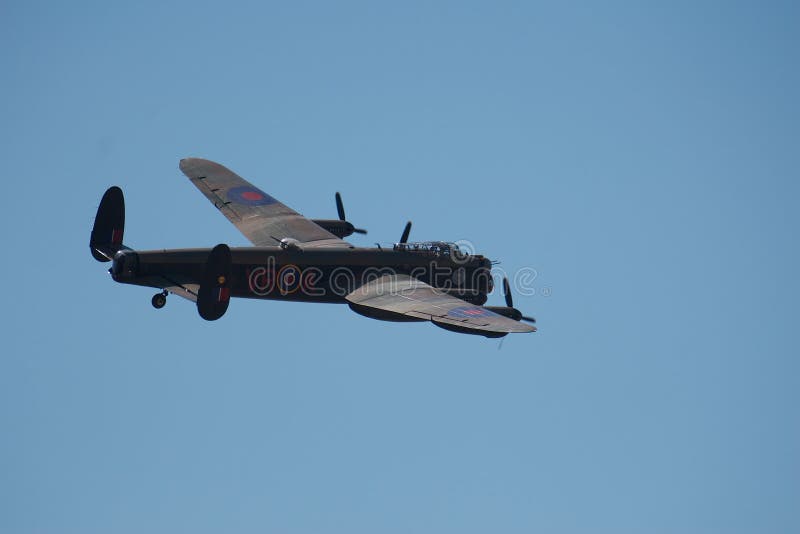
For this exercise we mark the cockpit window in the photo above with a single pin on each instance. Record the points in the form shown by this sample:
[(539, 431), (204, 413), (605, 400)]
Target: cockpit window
[(434, 248)]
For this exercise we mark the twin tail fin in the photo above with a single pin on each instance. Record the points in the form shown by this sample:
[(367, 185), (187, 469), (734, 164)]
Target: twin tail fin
[(109, 226)]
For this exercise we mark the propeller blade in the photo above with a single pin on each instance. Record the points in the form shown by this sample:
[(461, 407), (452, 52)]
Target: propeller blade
[(340, 207), (507, 293), (510, 302), (359, 231), (406, 231)]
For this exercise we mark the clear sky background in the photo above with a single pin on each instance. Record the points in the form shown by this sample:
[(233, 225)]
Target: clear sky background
[(642, 157)]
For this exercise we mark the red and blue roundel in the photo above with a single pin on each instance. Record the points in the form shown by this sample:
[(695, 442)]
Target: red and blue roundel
[(467, 312), (249, 196)]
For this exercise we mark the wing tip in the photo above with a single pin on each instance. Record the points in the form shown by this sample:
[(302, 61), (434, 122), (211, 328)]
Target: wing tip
[(185, 163), (188, 163)]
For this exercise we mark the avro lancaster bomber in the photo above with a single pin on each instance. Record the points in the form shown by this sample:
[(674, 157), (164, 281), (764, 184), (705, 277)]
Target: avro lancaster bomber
[(299, 259)]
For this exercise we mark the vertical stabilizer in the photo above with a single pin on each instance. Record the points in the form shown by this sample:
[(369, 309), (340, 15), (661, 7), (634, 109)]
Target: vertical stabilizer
[(214, 293), (109, 226)]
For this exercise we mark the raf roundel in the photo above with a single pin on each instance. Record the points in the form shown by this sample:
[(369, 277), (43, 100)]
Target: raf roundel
[(249, 196), (467, 312)]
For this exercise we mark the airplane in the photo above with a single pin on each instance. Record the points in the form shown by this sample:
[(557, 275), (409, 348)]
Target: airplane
[(299, 259)]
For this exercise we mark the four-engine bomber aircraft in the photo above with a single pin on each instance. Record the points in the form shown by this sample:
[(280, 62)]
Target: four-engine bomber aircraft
[(298, 259)]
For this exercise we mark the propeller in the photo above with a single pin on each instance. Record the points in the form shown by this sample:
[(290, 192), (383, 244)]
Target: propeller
[(406, 231), (507, 293), (510, 301), (340, 207), (340, 210)]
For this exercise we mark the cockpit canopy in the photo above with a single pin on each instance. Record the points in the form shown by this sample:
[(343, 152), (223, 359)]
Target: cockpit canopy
[(433, 248)]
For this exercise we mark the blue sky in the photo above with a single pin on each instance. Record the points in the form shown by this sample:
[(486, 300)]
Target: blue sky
[(641, 157)]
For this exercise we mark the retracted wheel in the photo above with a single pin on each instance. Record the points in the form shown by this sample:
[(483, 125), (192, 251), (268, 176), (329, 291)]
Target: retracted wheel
[(159, 300)]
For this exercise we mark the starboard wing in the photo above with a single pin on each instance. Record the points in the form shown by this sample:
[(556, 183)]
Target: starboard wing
[(260, 217), (399, 296)]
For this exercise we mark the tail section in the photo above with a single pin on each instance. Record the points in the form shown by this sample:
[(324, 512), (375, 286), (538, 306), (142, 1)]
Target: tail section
[(109, 226), (214, 293)]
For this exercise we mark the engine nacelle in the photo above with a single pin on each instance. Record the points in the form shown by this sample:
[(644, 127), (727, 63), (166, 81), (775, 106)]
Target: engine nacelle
[(464, 330), (338, 228), (506, 311), (383, 315)]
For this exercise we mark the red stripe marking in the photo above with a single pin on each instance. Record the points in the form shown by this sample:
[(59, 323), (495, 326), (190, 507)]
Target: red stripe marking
[(224, 294)]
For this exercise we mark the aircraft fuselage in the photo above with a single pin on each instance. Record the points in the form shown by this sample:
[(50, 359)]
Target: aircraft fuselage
[(313, 275)]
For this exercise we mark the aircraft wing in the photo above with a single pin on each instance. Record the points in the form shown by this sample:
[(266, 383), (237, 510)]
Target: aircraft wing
[(402, 297), (260, 217)]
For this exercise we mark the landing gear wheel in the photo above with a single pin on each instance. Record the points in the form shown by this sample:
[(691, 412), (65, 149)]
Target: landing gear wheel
[(159, 300)]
